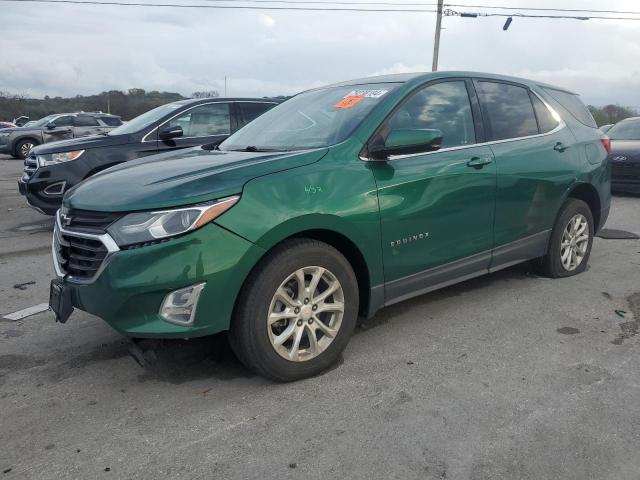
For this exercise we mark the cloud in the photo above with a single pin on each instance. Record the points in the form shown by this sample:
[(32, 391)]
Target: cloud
[(57, 49), (267, 20)]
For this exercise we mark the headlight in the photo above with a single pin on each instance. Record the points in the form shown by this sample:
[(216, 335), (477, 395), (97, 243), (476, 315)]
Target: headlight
[(53, 158), (141, 227)]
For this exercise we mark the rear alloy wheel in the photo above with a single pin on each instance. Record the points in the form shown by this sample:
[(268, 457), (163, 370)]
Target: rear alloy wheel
[(296, 312), (24, 148), (575, 240), (571, 240)]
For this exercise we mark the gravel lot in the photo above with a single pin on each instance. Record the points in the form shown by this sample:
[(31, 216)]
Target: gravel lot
[(508, 376)]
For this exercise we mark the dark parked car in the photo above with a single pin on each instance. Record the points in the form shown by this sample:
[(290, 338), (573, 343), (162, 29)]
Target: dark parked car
[(21, 121), (52, 169), (625, 155), (19, 141)]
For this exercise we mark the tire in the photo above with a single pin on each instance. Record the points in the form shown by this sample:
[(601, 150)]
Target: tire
[(556, 263), (23, 149), (259, 344)]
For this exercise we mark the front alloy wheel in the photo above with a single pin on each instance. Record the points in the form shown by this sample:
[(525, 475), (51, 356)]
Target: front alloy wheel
[(24, 148), (296, 312), (305, 314)]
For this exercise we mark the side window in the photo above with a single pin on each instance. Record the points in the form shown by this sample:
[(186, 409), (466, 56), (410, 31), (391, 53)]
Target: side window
[(66, 121), (205, 120), (575, 106), (85, 121), (509, 110), (111, 121), (442, 106), (251, 111), (546, 122)]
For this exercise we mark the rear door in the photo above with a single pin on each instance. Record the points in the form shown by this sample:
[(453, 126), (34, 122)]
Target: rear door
[(249, 111), (85, 125), (207, 124), (436, 208), (536, 159)]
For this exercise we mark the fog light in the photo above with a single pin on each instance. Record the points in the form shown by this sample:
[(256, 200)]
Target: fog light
[(179, 306)]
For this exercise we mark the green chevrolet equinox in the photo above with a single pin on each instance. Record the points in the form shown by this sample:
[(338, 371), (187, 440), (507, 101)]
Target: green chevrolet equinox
[(336, 203)]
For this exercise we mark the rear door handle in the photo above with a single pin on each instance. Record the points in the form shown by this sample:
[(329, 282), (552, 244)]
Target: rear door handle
[(560, 147), (479, 162)]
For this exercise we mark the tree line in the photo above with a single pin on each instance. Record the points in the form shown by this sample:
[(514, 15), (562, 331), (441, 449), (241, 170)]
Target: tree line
[(127, 104), (136, 101)]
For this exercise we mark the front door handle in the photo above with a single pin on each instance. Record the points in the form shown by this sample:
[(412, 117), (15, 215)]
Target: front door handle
[(479, 162), (560, 147)]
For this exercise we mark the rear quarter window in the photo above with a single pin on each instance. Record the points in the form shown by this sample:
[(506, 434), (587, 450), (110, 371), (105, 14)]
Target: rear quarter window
[(572, 103)]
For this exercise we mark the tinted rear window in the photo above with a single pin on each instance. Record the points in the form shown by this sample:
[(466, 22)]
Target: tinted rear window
[(508, 110), (574, 105), (85, 121), (625, 130), (251, 111), (111, 121)]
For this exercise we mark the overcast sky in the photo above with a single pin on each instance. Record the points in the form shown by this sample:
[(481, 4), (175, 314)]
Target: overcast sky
[(69, 49)]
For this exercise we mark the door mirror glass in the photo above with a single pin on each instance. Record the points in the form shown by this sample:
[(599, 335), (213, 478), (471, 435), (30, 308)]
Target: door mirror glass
[(406, 141), (169, 132), (51, 126)]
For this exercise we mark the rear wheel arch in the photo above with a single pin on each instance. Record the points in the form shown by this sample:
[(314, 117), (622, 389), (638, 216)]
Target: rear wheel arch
[(589, 195)]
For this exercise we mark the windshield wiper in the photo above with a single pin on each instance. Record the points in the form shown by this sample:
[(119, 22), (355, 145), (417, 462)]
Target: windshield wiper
[(253, 148)]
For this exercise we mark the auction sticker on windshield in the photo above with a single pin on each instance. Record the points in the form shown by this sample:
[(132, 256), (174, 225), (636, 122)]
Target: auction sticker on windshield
[(349, 101), (366, 93)]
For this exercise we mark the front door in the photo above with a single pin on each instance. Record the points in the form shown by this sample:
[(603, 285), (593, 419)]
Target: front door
[(436, 208), (59, 129)]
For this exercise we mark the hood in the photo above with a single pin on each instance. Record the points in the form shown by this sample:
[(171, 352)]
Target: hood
[(630, 149), (179, 178), (12, 129), (81, 143)]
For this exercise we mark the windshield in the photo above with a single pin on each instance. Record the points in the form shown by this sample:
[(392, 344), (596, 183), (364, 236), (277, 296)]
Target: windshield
[(313, 119), (43, 121), (625, 130), (144, 120)]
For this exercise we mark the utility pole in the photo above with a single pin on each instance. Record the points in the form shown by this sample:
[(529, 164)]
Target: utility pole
[(436, 42), (225, 85)]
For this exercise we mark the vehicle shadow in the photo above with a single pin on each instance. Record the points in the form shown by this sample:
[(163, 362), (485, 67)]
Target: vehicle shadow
[(181, 361)]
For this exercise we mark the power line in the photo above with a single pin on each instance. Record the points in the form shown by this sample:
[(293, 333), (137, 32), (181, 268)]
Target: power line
[(350, 9), (225, 7), (579, 10)]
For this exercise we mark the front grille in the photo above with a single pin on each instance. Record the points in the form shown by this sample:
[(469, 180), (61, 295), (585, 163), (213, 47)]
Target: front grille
[(30, 167), (78, 254), (90, 222)]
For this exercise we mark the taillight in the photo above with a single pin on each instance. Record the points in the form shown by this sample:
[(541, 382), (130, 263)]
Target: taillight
[(606, 143)]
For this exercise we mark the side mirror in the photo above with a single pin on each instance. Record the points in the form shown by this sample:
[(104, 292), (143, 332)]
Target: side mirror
[(51, 126), (167, 133), (406, 141)]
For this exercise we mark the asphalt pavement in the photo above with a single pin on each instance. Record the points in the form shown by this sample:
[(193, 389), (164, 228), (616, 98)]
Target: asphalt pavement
[(508, 376)]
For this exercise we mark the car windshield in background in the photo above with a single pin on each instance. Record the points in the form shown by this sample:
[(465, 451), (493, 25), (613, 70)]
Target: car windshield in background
[(314, 119), (144, 120), (625, 130), (43, 121)]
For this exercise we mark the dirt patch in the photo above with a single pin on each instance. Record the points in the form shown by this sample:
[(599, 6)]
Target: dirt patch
[(631, 328), (568, 330)]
